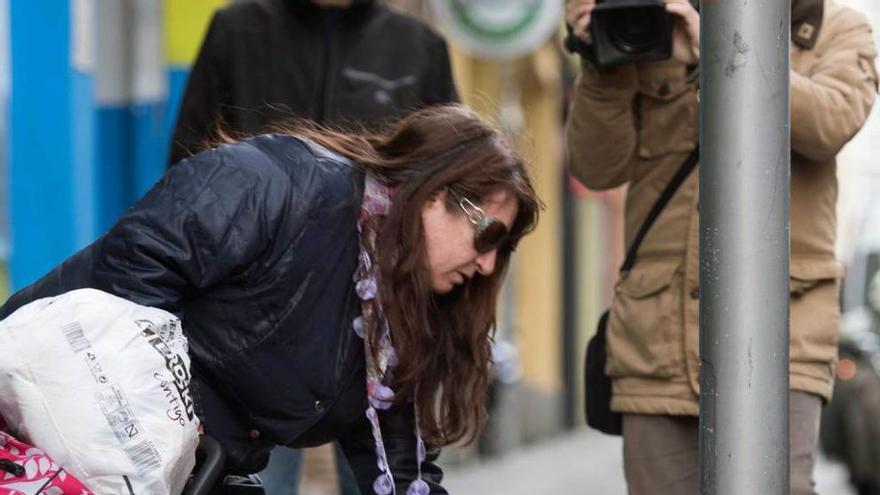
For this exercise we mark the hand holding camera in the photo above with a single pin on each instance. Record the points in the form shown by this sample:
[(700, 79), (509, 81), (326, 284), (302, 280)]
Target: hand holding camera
[(613, 32), (685, 31), (577, 17)]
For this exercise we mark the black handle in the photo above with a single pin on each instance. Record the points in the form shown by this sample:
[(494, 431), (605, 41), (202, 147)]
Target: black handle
[(11, 467), (210, 460)]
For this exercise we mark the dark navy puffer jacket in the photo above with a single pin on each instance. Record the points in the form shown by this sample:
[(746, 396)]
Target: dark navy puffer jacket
[(254, 245)]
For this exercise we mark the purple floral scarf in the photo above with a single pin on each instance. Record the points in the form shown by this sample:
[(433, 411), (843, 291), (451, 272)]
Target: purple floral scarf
[(380, 365)]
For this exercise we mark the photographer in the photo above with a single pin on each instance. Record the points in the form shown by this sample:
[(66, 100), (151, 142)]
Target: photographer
[(635, 124)]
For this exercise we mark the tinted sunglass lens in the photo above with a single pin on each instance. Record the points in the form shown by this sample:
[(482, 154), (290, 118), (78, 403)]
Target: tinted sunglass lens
[(490, 233)]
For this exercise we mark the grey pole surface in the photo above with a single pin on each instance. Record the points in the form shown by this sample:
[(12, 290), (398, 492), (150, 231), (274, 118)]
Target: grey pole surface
[(744, 246)]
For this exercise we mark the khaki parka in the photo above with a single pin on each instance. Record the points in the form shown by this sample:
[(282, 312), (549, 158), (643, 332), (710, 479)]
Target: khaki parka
[(635, 125)]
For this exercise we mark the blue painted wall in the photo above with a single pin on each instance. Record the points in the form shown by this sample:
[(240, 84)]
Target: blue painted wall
[(52, 142)]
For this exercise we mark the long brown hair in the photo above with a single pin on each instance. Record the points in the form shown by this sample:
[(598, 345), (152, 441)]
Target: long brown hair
[(442, 341)]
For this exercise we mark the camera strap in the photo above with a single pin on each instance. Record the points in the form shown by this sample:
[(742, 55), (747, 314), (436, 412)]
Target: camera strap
[(683, 171)]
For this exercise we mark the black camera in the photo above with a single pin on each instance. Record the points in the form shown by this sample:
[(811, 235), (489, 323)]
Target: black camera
[(626, 31)]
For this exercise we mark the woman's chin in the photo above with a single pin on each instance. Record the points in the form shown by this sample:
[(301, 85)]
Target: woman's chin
[(442, 287)]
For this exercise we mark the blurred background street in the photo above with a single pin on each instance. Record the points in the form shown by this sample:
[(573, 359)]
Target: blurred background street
[(104, 79), (581, 462)]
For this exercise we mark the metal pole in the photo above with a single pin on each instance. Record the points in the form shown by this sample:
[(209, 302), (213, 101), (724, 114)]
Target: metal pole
[(744, 247)]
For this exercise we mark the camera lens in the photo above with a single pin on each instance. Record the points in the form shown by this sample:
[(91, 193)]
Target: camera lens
[(634, 30)]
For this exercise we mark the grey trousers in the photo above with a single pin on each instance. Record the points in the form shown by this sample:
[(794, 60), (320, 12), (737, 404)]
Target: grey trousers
[(660, 453)]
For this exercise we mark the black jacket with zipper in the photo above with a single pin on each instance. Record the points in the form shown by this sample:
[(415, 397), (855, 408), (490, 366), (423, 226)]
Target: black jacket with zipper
[(266, 61)]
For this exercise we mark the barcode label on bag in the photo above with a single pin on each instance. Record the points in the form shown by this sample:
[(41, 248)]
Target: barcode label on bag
[(76, 338), (144, 456)]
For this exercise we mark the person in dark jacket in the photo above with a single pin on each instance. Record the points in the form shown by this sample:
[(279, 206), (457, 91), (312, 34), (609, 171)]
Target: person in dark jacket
[(330, 61), (332, 286)]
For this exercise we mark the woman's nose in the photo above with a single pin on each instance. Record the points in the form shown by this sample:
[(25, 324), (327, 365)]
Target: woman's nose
[(486, 262)]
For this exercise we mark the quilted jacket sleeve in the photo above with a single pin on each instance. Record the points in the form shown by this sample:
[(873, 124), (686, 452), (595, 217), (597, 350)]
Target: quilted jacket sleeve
[(206, 219)]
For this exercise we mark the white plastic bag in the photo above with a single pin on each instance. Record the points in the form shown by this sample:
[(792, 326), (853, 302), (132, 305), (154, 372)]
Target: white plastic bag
[(102, 385)]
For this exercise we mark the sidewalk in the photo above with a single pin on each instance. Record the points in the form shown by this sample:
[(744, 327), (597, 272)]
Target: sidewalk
[(583, 462)]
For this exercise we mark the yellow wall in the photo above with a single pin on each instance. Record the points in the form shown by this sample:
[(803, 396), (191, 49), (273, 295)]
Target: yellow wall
[(185, 24)]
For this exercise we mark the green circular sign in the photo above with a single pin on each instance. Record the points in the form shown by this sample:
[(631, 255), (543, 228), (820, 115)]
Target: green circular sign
[(499, 29)]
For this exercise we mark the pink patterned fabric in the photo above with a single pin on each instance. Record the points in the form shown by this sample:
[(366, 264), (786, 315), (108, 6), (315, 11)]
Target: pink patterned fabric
[(27, 470)]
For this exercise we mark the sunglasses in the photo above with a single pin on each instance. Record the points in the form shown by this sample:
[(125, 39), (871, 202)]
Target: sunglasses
[(489, 232)]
